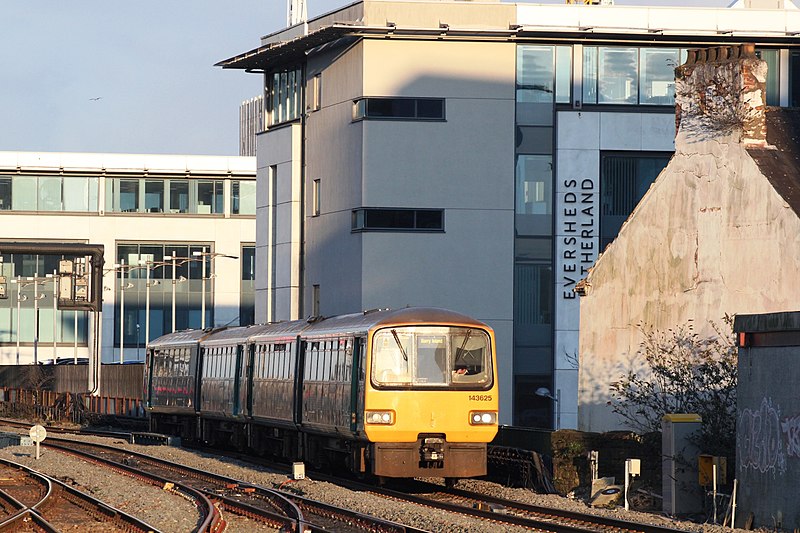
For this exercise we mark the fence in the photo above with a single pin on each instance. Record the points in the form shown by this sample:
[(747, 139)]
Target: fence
[(119, 381), (66, 406)]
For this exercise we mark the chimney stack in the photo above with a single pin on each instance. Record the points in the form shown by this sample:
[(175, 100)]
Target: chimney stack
[(720, 91)]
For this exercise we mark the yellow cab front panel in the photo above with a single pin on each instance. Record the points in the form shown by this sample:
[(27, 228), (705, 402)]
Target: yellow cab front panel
[(431, 400)]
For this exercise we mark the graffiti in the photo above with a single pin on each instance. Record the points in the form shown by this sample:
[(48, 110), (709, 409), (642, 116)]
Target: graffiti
[(760, 439), (791, 427)]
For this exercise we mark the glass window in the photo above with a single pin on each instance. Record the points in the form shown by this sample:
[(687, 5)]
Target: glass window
[(5, 192), (431, 356), (624, 179), (247, 304), (24, 193), (534, 293), (284, 96), (772, 58), (80, 193), (243, 197), (399, 108), (373, 218), (563, 74), (315, 199), (49, 193), (794, 79), (589, 74), (154, 196), (617, 75), (657, 81), (544, 77), (390, 107), (128, 195), (209, 197), (534, 195), (534, 184), (178, 196), (535, 74)]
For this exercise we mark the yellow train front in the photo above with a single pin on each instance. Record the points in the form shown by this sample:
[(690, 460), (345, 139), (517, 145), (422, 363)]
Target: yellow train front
[(430, 395)]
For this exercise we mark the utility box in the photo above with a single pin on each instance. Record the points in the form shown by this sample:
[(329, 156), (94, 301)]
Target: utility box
[(681, 492), (298, 471), (706, 464)]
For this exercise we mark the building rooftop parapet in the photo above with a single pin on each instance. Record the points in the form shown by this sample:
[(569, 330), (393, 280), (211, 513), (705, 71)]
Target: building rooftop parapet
[(521, 21), (110, 162)]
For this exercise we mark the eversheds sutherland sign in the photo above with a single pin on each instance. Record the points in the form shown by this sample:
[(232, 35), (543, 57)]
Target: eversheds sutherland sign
[(579, 233)]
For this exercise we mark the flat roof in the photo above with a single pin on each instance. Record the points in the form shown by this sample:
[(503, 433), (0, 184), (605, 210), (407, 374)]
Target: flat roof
[(575, 22), (115, 162)]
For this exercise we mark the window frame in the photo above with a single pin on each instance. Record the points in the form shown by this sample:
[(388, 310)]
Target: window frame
[(361, 108), (359, 220)]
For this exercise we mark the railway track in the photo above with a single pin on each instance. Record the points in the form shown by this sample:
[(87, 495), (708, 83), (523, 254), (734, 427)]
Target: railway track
[(503, 513), (282, 510), (32, 501), (497, 513)]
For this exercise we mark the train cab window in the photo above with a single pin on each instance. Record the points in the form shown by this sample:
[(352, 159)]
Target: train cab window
[(431, 357)]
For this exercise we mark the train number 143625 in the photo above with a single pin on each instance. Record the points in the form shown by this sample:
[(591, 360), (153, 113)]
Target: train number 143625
[(480, 397)]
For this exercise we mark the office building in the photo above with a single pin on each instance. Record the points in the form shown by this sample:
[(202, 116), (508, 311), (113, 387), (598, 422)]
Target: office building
[(144, 209)]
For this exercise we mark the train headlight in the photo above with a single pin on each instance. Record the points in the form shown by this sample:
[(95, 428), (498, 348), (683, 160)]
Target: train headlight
[(482, 418), (380, 417)]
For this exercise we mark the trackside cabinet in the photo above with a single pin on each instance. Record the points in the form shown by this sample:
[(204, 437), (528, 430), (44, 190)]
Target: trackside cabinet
[(680, 488)]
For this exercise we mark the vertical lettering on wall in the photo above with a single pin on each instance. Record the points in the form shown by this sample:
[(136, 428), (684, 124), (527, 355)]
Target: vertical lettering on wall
[(579, 232)]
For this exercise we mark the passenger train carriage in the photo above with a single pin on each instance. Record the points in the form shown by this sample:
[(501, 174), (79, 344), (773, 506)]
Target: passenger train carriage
[(391, 393)]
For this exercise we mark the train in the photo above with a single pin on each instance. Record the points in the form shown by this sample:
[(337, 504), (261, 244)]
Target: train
[(384, 393)]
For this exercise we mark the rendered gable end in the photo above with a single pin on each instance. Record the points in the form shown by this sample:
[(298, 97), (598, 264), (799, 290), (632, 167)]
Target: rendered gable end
[(711, 237)]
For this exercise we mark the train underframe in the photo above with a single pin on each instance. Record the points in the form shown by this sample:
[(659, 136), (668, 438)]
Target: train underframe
[(430, 456)]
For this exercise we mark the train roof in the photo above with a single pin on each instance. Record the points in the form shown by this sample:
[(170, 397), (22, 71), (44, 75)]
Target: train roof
[(354, 323), (187, 336), (360, 323)]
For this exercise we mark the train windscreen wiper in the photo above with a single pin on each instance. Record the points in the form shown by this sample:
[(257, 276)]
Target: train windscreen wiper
[(399, 345)]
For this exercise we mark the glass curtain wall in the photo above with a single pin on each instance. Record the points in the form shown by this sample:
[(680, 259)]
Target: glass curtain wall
[(172, 195), (37, 301), (48, 193), (543, 80), (630, 75), (188, 291), (247, 302), (284, 95)]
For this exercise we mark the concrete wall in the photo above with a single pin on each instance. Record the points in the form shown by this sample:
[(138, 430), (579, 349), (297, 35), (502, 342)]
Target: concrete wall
[(278, 217), (463, 165), (334, 157)]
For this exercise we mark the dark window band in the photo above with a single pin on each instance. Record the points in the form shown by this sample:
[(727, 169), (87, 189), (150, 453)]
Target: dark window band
[(381, 219), (399, 108)]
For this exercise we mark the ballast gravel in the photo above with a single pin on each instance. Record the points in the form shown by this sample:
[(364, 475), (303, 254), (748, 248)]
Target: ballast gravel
[(171, 513)]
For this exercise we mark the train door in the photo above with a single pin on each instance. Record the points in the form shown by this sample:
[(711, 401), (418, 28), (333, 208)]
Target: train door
[(148, 377), (238, 380), (250, 351), (196, 361), (301, 346), (356, 384)]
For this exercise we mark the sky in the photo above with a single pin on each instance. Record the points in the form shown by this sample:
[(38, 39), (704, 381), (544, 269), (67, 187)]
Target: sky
[(139, 76)]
